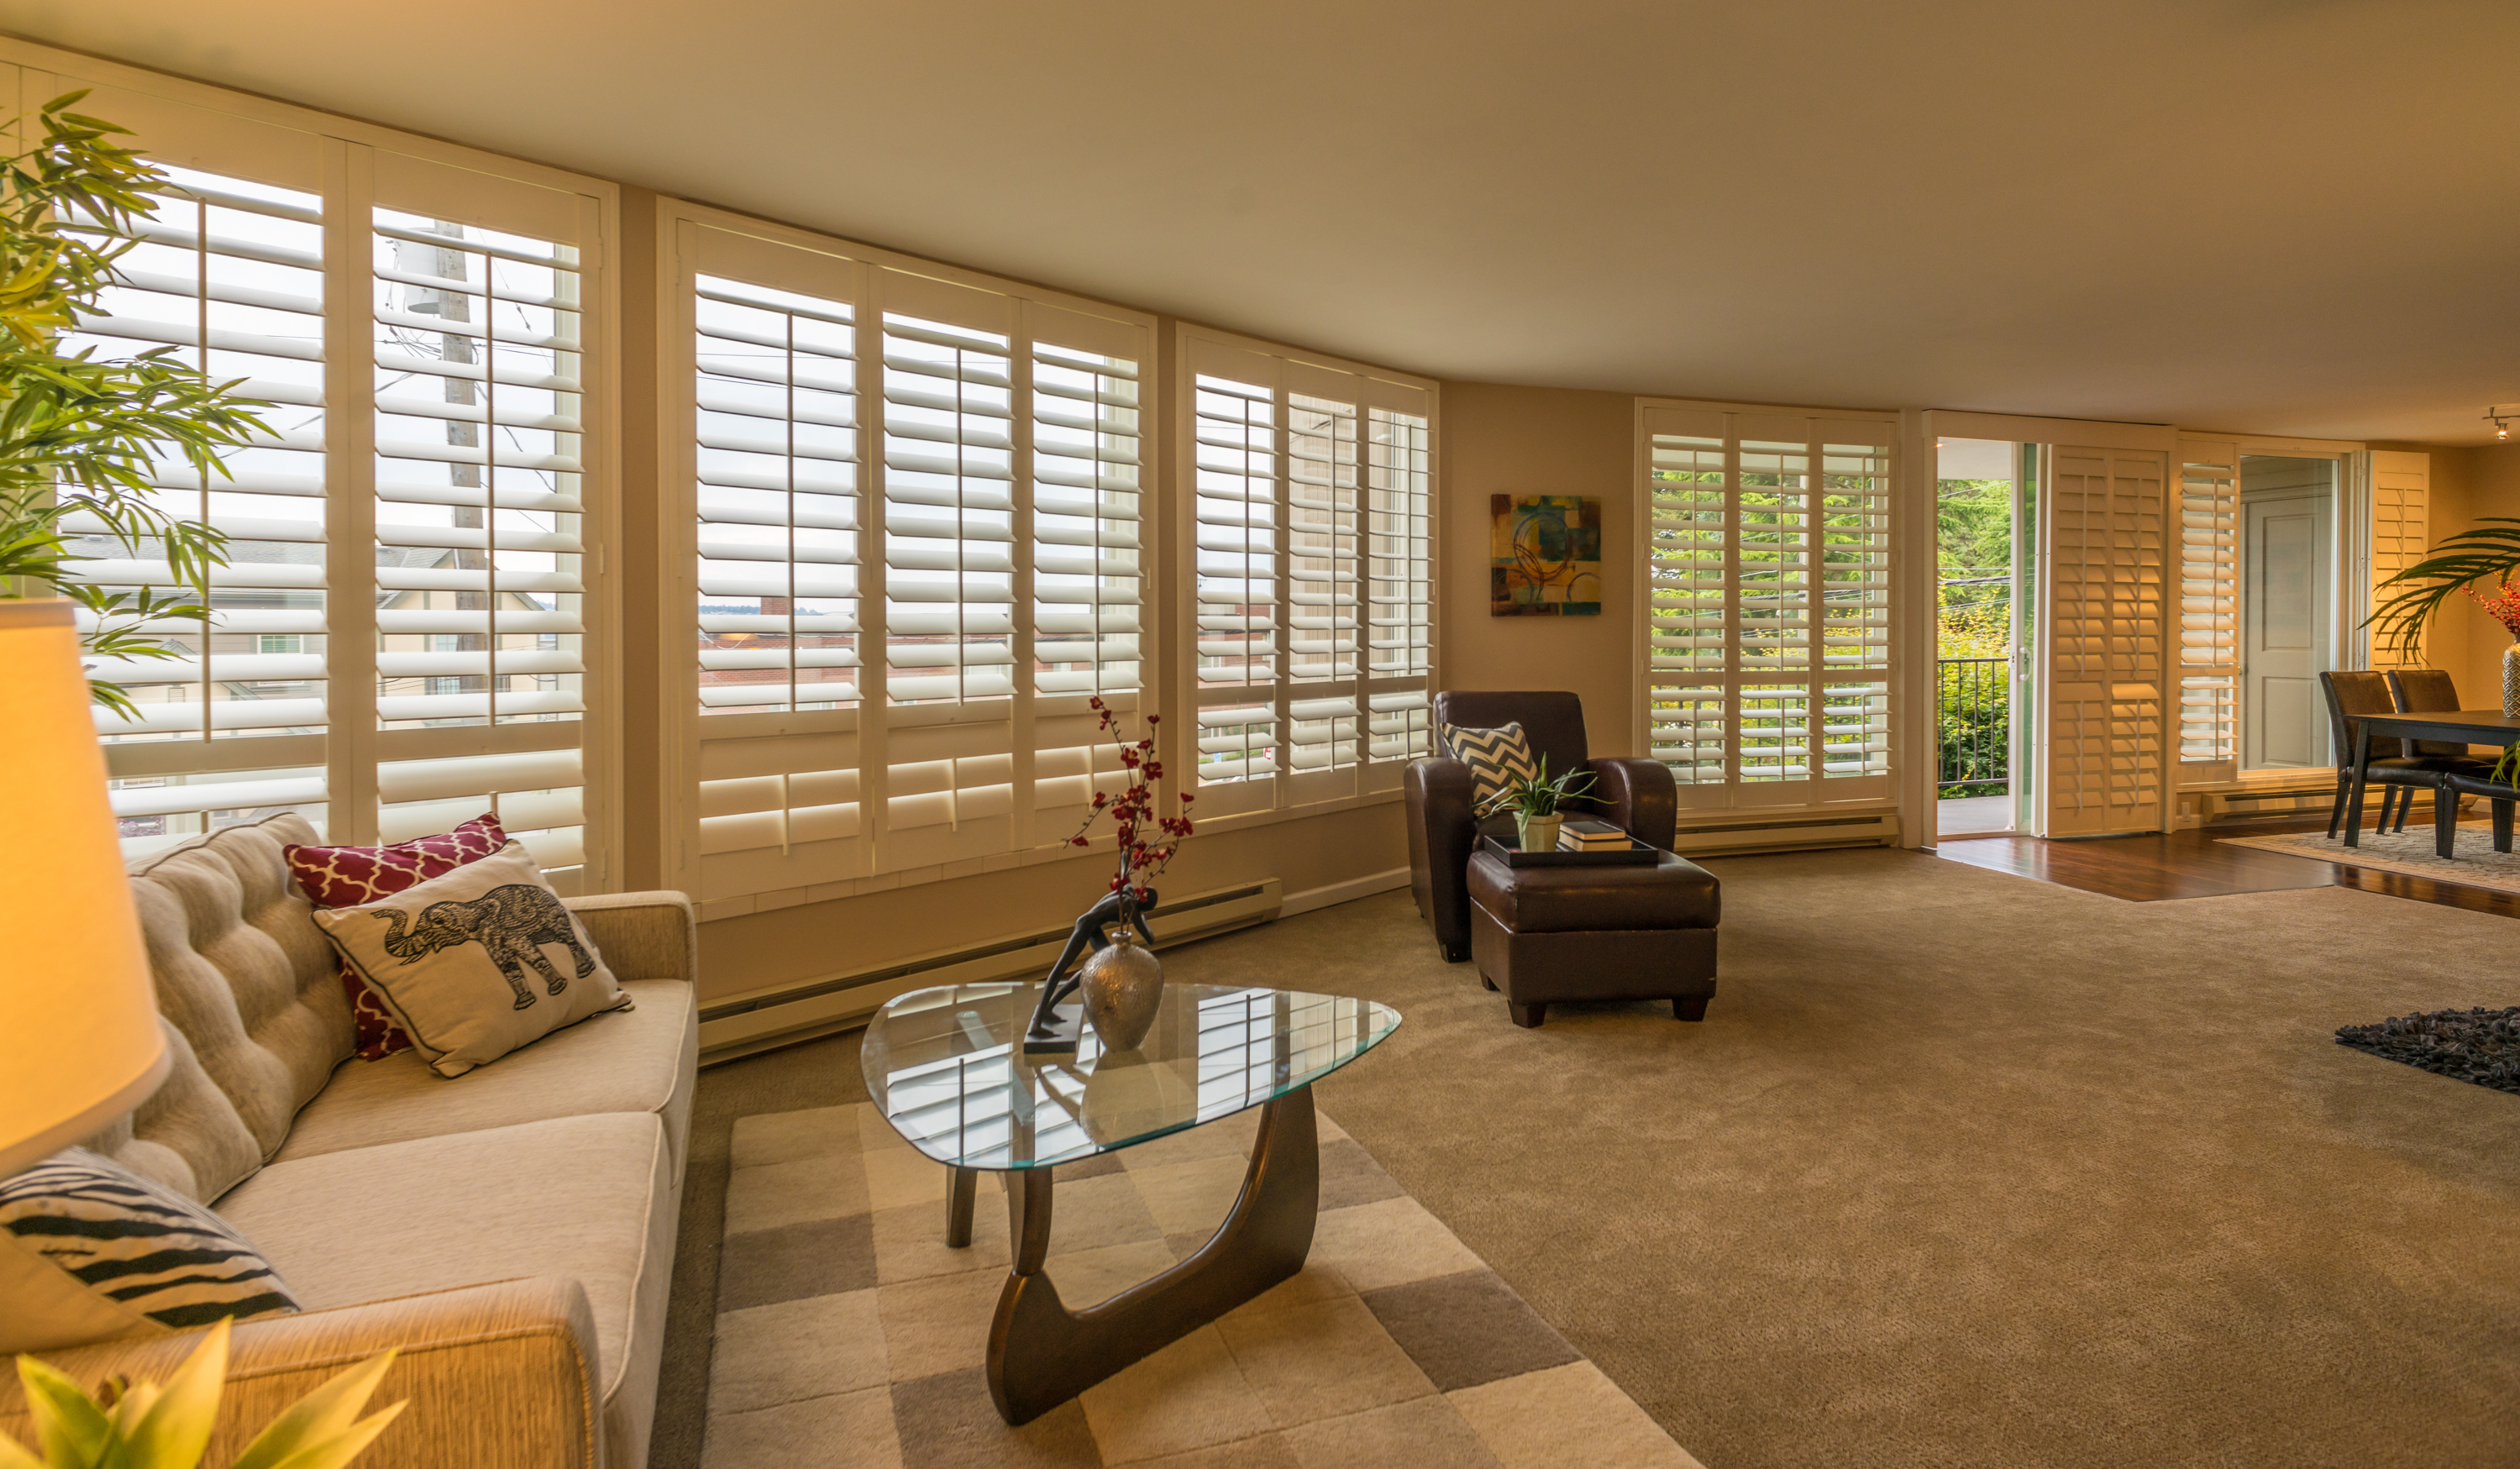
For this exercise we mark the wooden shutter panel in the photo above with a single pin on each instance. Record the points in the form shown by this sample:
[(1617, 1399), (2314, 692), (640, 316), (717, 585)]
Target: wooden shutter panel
[(2105, 595), (2401, 496), (480, 620), (2209, 602)]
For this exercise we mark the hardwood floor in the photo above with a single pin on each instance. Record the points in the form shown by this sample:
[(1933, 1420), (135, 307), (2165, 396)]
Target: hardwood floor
[(2195, 863)]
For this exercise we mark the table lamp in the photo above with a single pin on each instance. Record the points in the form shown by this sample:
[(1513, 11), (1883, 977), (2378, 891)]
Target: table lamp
[(79, 1036)]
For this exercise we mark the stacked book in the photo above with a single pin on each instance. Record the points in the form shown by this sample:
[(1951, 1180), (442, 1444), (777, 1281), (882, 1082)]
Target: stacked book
[(1590, 836)]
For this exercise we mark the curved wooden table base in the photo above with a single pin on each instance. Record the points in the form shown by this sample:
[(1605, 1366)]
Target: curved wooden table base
[(1042, 1354)]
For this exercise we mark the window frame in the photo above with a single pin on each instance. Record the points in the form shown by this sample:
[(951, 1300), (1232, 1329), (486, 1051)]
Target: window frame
[(860, 271), (214, 130), (1197, 351)]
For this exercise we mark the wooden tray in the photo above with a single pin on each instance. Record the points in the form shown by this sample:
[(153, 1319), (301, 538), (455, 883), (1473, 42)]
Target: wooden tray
[(1635, 855)]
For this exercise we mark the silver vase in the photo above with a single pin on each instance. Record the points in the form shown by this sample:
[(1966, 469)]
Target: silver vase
[(2511, 682), (1123, 986)]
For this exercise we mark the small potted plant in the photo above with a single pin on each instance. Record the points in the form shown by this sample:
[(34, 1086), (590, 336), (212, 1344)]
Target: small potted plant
[(1534, 799)]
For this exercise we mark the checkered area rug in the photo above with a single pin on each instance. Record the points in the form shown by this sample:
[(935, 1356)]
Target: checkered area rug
[(849, 1335)]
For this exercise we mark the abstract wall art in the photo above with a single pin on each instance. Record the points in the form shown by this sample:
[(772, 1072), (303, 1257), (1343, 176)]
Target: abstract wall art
[(1544, 555)]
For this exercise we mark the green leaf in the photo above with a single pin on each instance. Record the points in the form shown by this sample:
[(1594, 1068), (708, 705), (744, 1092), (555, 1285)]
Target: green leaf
[(323, 1417), (174, 1424), (70, 1430), (338, 1451), (13, 1455)]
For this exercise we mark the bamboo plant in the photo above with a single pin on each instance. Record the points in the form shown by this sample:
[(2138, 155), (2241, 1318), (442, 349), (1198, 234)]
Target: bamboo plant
[(82, 439)]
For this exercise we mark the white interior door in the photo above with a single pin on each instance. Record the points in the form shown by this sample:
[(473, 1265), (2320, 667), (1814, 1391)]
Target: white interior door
[(2103, 604), (2284, 629)]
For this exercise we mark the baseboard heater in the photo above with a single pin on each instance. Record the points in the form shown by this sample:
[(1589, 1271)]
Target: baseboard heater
[(784, 1014), (2270, 803), (1799, 834)]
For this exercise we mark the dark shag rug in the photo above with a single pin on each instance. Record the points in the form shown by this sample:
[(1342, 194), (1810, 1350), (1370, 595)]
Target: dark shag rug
[(2473, 1046)]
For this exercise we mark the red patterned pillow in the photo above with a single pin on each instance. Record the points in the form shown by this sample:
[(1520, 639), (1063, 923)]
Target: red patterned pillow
[(348, 876)]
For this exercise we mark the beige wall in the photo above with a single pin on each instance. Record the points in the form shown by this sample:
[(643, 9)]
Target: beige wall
[(1500, 440), (2468, 485), (815, 939)]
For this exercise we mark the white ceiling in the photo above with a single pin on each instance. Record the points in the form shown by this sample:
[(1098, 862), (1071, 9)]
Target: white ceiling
[(2281, 216)]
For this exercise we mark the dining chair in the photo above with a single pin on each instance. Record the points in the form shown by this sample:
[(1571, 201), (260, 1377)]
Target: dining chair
[(2429, 691), (2351, 694)]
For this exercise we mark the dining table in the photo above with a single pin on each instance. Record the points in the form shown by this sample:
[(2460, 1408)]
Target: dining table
[(2485, 727)]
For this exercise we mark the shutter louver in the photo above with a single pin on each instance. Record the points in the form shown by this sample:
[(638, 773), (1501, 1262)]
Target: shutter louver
[(230, 278), (1237, 593), (1088, 571), (480, 620), (2104, 519), (778, 500), (948, 513), (1766, 598), (2400, 489), (2209, 595), (1322, 632), (1399, 587)]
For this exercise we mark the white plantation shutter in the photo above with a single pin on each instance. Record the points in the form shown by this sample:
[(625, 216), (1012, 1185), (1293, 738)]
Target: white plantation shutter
[(1311, 597), (478, 500), (2105, 605), (2401, 496), (1767, 605), (397, 645), (1400, 600), (232, 279), (915, 555), (2209, 601)]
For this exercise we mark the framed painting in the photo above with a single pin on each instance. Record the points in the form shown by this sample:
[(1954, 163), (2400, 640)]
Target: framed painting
[(1544, 555)]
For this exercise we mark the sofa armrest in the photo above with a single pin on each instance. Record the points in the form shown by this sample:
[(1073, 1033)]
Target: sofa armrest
[(643, 935), (1639, 797), (498, 1376), (1443, 827)]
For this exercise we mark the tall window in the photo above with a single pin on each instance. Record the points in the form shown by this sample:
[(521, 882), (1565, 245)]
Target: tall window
[(1311, 587), (1767, 605), (397, 641), (917, 559), (2209, 602)]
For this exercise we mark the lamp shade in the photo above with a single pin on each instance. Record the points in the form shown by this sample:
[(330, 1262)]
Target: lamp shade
[(80, 1037)]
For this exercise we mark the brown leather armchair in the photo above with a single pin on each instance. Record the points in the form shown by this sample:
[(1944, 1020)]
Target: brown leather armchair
[(1635, 795)]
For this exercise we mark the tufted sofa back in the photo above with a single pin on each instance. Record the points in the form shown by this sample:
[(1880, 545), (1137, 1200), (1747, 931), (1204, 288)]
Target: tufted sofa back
[(251, 996)]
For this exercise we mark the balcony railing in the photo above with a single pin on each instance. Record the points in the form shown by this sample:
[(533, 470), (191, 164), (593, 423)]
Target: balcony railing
[(1973, 699)]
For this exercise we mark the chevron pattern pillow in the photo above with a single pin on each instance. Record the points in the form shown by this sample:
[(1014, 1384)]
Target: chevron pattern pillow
[(90, 1250), (1494, 757)]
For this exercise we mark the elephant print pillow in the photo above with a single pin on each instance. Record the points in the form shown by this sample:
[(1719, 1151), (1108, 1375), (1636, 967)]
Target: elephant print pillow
[(478, 962)]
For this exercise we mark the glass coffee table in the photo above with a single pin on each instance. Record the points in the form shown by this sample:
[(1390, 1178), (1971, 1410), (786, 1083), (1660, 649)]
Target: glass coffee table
[(947, 1068)]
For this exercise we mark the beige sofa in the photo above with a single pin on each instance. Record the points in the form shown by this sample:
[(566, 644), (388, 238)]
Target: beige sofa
[(510, 1230)]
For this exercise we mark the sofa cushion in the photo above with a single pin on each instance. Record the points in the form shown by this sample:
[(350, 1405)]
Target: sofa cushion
[(590, 1198), (478, 962), (637, 1060), (90, 1251), (240, 970), (345, 876), (187, 1135)]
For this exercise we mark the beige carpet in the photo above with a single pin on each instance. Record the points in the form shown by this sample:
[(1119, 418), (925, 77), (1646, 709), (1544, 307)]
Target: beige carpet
[(849, 1336), (1961, 1169), (2474, 862)]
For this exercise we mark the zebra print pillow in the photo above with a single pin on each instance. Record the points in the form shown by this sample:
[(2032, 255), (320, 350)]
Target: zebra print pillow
[(90, 1250)]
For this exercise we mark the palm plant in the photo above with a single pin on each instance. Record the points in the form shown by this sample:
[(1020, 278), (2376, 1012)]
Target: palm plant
[(2490, 550), (82, 440)]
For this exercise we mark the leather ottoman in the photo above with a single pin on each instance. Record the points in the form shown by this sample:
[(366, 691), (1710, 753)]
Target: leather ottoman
[(1548, 934)]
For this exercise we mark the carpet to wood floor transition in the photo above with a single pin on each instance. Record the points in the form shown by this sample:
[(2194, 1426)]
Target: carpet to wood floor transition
[(1961, 1169)]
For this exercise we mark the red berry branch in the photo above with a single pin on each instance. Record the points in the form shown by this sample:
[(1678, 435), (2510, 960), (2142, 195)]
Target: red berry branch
[(1140, 861), (2503, 606)]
